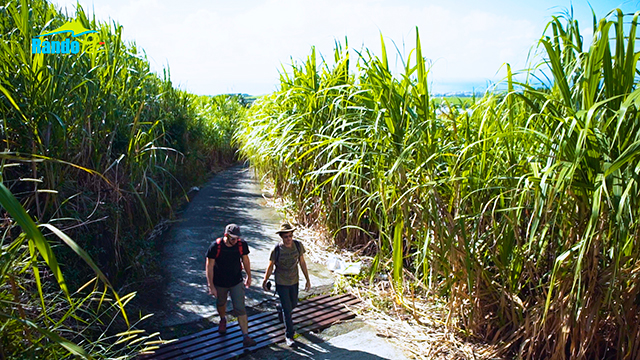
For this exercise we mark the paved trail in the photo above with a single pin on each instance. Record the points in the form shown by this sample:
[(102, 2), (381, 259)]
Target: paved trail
[(184, 306)]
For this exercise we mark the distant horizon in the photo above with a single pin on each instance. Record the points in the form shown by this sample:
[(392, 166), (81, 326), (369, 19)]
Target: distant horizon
[(452, 88)]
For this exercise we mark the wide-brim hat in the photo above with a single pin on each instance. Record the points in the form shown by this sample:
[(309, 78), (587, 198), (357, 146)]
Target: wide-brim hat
[(285, 228)]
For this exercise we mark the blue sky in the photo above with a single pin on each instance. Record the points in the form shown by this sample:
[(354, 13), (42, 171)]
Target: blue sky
[(214, 47)]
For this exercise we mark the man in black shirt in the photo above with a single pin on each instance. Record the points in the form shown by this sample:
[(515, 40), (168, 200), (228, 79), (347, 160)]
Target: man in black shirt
[(224, 277)]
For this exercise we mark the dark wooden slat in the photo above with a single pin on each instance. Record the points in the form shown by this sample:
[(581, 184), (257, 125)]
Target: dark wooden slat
[(260, 336), (209, 341), (205, 334), (309, 323), (223, 342), (170, 351), (200, 334)]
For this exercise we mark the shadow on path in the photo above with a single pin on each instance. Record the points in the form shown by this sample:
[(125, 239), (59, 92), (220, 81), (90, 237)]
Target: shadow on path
[(232, 196), (356, 343), (183, 306)]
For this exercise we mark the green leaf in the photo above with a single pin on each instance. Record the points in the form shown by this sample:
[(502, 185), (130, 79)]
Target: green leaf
[(19, 214)]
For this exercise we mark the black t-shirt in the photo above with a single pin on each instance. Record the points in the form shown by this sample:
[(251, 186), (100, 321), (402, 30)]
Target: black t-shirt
[(227, 272)]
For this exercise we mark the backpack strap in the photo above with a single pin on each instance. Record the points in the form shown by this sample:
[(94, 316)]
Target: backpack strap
[(298, 247), (277, 250), (219, 242), (240, 247)]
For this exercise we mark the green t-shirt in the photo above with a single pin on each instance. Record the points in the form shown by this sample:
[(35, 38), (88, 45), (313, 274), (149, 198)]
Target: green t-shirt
[(287, 263)]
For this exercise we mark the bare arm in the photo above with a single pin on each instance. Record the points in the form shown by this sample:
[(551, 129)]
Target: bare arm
[(247, 268), (209, 273), (267, 274), (303, 266)]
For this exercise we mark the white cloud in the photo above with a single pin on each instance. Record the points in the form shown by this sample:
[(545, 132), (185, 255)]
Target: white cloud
[(220, 46)]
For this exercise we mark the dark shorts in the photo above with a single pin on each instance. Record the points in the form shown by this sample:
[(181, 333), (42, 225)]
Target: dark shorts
[(237, 298)]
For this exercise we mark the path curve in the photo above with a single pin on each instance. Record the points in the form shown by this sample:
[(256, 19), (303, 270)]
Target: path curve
[(231, 196), (183, 306)]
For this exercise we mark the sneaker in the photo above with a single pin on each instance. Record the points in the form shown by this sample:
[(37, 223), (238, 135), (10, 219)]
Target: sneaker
[(222, 326), (279, 311), (289, 341), (248, 341)]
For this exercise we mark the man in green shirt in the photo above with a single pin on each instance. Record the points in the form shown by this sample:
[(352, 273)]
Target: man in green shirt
[(287, 256)]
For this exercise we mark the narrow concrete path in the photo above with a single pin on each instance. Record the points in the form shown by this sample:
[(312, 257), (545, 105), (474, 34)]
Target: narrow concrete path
[(184, 306)]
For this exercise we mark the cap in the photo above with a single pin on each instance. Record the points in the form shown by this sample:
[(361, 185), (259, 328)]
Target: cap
[(232, 229)]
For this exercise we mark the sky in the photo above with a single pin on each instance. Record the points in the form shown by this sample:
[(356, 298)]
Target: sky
[(214, 47)]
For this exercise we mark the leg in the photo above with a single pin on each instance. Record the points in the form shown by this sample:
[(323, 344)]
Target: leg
[(237, 297), (221, 301), (222, 311), (244, 324), (284, 292), (294, 296), (221, 304)]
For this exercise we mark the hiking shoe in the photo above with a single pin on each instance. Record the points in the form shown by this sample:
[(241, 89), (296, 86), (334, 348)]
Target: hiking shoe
[(222, 326), (289, 341), (280, 316), (248, 341)]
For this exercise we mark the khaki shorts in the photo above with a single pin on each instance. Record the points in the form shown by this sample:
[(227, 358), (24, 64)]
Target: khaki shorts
[(237, 298)]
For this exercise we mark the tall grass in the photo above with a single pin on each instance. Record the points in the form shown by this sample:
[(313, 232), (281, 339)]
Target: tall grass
[(521, 211), (102, 110), (96, 148), (61, 323)]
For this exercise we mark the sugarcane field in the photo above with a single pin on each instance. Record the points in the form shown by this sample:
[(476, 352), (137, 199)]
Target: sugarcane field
[(356, 179)]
